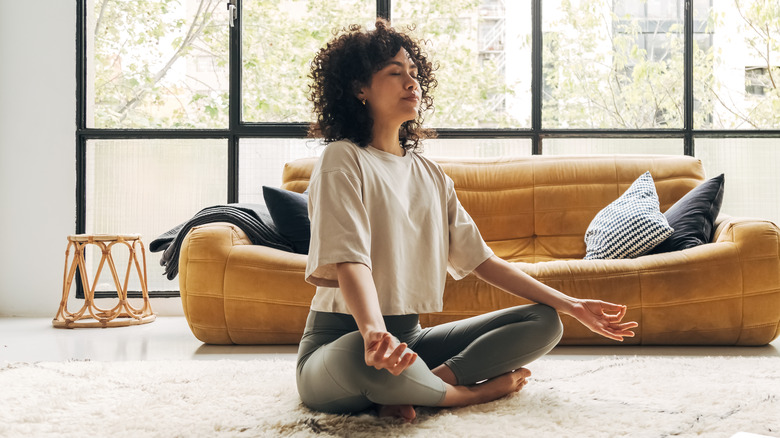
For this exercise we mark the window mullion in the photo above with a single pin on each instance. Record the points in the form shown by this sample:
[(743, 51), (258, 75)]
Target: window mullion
[(688, 79), (383, 9), (234, 102), (536, 76)]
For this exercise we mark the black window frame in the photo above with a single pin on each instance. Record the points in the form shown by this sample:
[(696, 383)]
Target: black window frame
[(238, 129)]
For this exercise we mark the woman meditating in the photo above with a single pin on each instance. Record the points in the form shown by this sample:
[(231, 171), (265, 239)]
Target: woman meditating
[(386, 227)]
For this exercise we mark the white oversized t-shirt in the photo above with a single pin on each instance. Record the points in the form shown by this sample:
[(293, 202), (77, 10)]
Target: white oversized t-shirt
[(399, 216)]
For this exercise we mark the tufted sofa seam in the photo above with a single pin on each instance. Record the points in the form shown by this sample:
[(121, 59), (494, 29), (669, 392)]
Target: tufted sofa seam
[(203, 295), (262, 267), (535, 235), (500, 215), (761, 292), (694, 301), (626, 274), (251, 330), (204, 326), (719, 329), (735, 227), (244, 299), (192, 259), (477, 189)]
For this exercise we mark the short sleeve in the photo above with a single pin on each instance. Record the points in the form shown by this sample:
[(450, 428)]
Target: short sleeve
[(467, 249), (340, 230)]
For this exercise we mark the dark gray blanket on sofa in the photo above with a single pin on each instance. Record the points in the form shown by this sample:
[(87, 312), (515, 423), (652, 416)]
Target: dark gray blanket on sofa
[(253, 219)]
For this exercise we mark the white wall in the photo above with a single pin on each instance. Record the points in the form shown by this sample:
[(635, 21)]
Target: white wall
[(38, 154)]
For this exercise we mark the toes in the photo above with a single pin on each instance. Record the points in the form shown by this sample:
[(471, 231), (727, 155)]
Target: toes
[(404, 412), (408, 413)]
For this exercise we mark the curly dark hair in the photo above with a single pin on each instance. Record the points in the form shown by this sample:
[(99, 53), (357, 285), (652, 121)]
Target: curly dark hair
[(347, 63)]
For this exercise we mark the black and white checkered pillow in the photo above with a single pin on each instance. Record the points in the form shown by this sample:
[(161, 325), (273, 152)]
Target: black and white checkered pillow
[(630, 226)]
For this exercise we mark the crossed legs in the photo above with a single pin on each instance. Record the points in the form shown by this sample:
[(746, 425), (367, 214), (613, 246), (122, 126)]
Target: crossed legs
[(464, 362)]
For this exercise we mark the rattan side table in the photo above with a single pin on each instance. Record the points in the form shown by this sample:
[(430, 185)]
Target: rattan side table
[(90, 315)]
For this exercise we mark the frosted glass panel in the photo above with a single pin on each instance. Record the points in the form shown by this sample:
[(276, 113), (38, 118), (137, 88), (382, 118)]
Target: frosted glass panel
[(752, 182), (148, 187), (587, 146), (262, 161), (477, 147)]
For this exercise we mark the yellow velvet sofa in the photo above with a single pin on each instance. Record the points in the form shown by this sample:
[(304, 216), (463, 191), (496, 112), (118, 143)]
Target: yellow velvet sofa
[(532, 211)]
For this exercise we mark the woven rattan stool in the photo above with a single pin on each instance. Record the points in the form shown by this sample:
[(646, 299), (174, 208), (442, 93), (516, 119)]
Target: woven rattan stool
[(123, 314)]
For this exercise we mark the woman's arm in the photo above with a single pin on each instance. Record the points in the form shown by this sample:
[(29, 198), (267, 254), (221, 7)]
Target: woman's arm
[(591, 313), (382, 350)]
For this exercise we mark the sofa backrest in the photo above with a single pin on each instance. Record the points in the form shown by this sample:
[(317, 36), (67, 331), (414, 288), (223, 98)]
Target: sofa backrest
[(537, 208)]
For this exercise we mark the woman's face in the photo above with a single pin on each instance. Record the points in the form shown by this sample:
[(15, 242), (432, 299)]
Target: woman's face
[(394, 93)]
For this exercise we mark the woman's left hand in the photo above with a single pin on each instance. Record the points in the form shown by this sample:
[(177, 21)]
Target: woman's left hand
[(604, 318)]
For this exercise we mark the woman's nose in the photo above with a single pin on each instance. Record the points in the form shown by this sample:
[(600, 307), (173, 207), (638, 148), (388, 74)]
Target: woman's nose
[(412, 83)]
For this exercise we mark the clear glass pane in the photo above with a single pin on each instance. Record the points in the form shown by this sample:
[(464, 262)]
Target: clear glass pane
[(280, 39), (262, 161), (483, 49), (157, 64), (736, 70), (752, 183), (148, 187), (477, 147), (612, 64), (608, 146)]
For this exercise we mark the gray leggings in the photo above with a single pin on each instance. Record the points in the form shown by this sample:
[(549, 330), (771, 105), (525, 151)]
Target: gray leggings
[(332, 375)]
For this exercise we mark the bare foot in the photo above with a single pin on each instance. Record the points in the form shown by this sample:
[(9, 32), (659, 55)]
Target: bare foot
[(405, 412), (502, 385), (488, 390)]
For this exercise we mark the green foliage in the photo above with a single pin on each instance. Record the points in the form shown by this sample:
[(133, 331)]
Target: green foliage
[(471, 88), (598, 76), (139, 48), (280, 38), (164, 64)]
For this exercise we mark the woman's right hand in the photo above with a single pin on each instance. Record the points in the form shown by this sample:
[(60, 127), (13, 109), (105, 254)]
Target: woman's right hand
[(383, 351)]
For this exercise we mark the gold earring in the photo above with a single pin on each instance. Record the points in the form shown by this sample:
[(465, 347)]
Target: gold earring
[(363, 101)]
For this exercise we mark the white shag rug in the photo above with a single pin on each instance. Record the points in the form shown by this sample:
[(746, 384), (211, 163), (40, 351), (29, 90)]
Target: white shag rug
[(607, 397)]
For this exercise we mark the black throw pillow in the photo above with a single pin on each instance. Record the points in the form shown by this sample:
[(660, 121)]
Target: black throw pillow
[(693, 217), (290, 212)]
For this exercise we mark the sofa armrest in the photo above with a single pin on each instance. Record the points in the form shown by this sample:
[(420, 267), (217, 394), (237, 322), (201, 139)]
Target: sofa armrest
[(758, 245), (202, 261), (234, 292), (725, 226)]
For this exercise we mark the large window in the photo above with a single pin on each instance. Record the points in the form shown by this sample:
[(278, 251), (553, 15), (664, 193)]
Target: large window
[(184, 104)]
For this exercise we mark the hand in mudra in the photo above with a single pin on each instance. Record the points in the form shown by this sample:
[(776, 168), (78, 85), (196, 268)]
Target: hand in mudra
[(383, 351), (604, 318)]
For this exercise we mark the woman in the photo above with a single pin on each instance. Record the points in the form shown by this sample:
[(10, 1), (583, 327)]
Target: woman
[(386, 227)]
